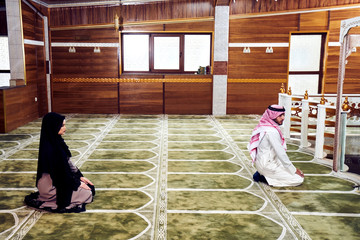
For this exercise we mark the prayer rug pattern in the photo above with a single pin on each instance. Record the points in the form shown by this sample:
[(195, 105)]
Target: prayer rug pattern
[(173, 177)]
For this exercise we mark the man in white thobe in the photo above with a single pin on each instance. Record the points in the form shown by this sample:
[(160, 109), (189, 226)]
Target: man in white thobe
[(268, 151)]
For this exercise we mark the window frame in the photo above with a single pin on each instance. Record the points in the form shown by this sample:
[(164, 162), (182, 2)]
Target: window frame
[(153, 35), (323, 50), (6, 71)]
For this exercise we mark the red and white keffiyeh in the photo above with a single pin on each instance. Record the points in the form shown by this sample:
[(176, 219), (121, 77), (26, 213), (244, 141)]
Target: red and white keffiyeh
[(267, 120)]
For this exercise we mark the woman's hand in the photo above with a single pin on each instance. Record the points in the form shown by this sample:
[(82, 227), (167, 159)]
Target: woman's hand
[(86, 181), (84, 186), (299, 172)]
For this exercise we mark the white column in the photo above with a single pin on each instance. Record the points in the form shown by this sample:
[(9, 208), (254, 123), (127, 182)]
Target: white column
[(287, 121), (281, 97), (320, 130), (304, 123), (16, 46), (221, 42), (342, 141)]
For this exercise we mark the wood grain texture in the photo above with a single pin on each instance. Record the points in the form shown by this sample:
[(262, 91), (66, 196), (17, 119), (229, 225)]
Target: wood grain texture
[(162, 17), (247, 6), (315, 21), (335, 22), (102, 35), (251, 98), (188, 98), (220, 68), (176, 9), (85, 63), (351, 83), (222, 2), (41, 81), (190, 26), (141, 98), (35, 59), (36, 76), (258, 64), (85, 97), (263, 29), (28, 22), (2, 111), (144, 27), (20, 107)]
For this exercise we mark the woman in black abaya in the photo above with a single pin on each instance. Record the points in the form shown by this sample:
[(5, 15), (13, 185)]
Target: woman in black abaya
[(61, 185)]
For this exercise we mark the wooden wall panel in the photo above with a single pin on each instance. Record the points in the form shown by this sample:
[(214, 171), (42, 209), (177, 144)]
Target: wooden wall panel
[(102, 35), (35, 59), (36, 76), (351, 86), (188, 98), (351, 82), (352, 74), (246, 6), (2, 111), (189, 77), (85, 97), (20, 107), (263, 29), (131, 13), (31, 64), (335, 21), (141, 98), (315, 21), (183, 98), (258, 64), (85, 63), (41, 81), (28, 22), (81, 15), (251, 98), (192, 26), (144, 27), (18, 104), (332, 64)]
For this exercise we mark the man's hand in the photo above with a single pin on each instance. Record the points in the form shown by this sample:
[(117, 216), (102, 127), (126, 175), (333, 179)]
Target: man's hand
[(299, 172)]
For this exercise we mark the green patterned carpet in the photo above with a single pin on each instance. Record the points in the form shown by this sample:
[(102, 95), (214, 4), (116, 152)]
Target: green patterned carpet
[(173, 177)]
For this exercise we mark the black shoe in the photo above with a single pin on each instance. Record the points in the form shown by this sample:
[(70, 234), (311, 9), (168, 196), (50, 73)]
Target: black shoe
[(256, 176), (32, 201), (92, 187), (76, 209), (259, 178)]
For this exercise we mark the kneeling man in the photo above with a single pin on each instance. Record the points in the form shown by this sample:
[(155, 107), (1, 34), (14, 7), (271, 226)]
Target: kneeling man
[(268, 151)]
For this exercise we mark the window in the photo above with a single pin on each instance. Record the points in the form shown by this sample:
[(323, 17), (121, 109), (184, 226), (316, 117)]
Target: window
[(306, 61), (136, 52), (165, 52), (4, 62)]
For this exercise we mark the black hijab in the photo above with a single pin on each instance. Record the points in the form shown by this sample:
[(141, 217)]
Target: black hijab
[(53, 159)]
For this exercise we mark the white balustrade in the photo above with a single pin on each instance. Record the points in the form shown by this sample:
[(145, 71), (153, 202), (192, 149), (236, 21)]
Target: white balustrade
[(320, 130), (304, 123)]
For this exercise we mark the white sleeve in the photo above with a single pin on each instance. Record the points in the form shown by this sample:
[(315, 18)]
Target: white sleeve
[(275, 141)]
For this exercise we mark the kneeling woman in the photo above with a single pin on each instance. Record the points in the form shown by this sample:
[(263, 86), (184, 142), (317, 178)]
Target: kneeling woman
[(62, 187)]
